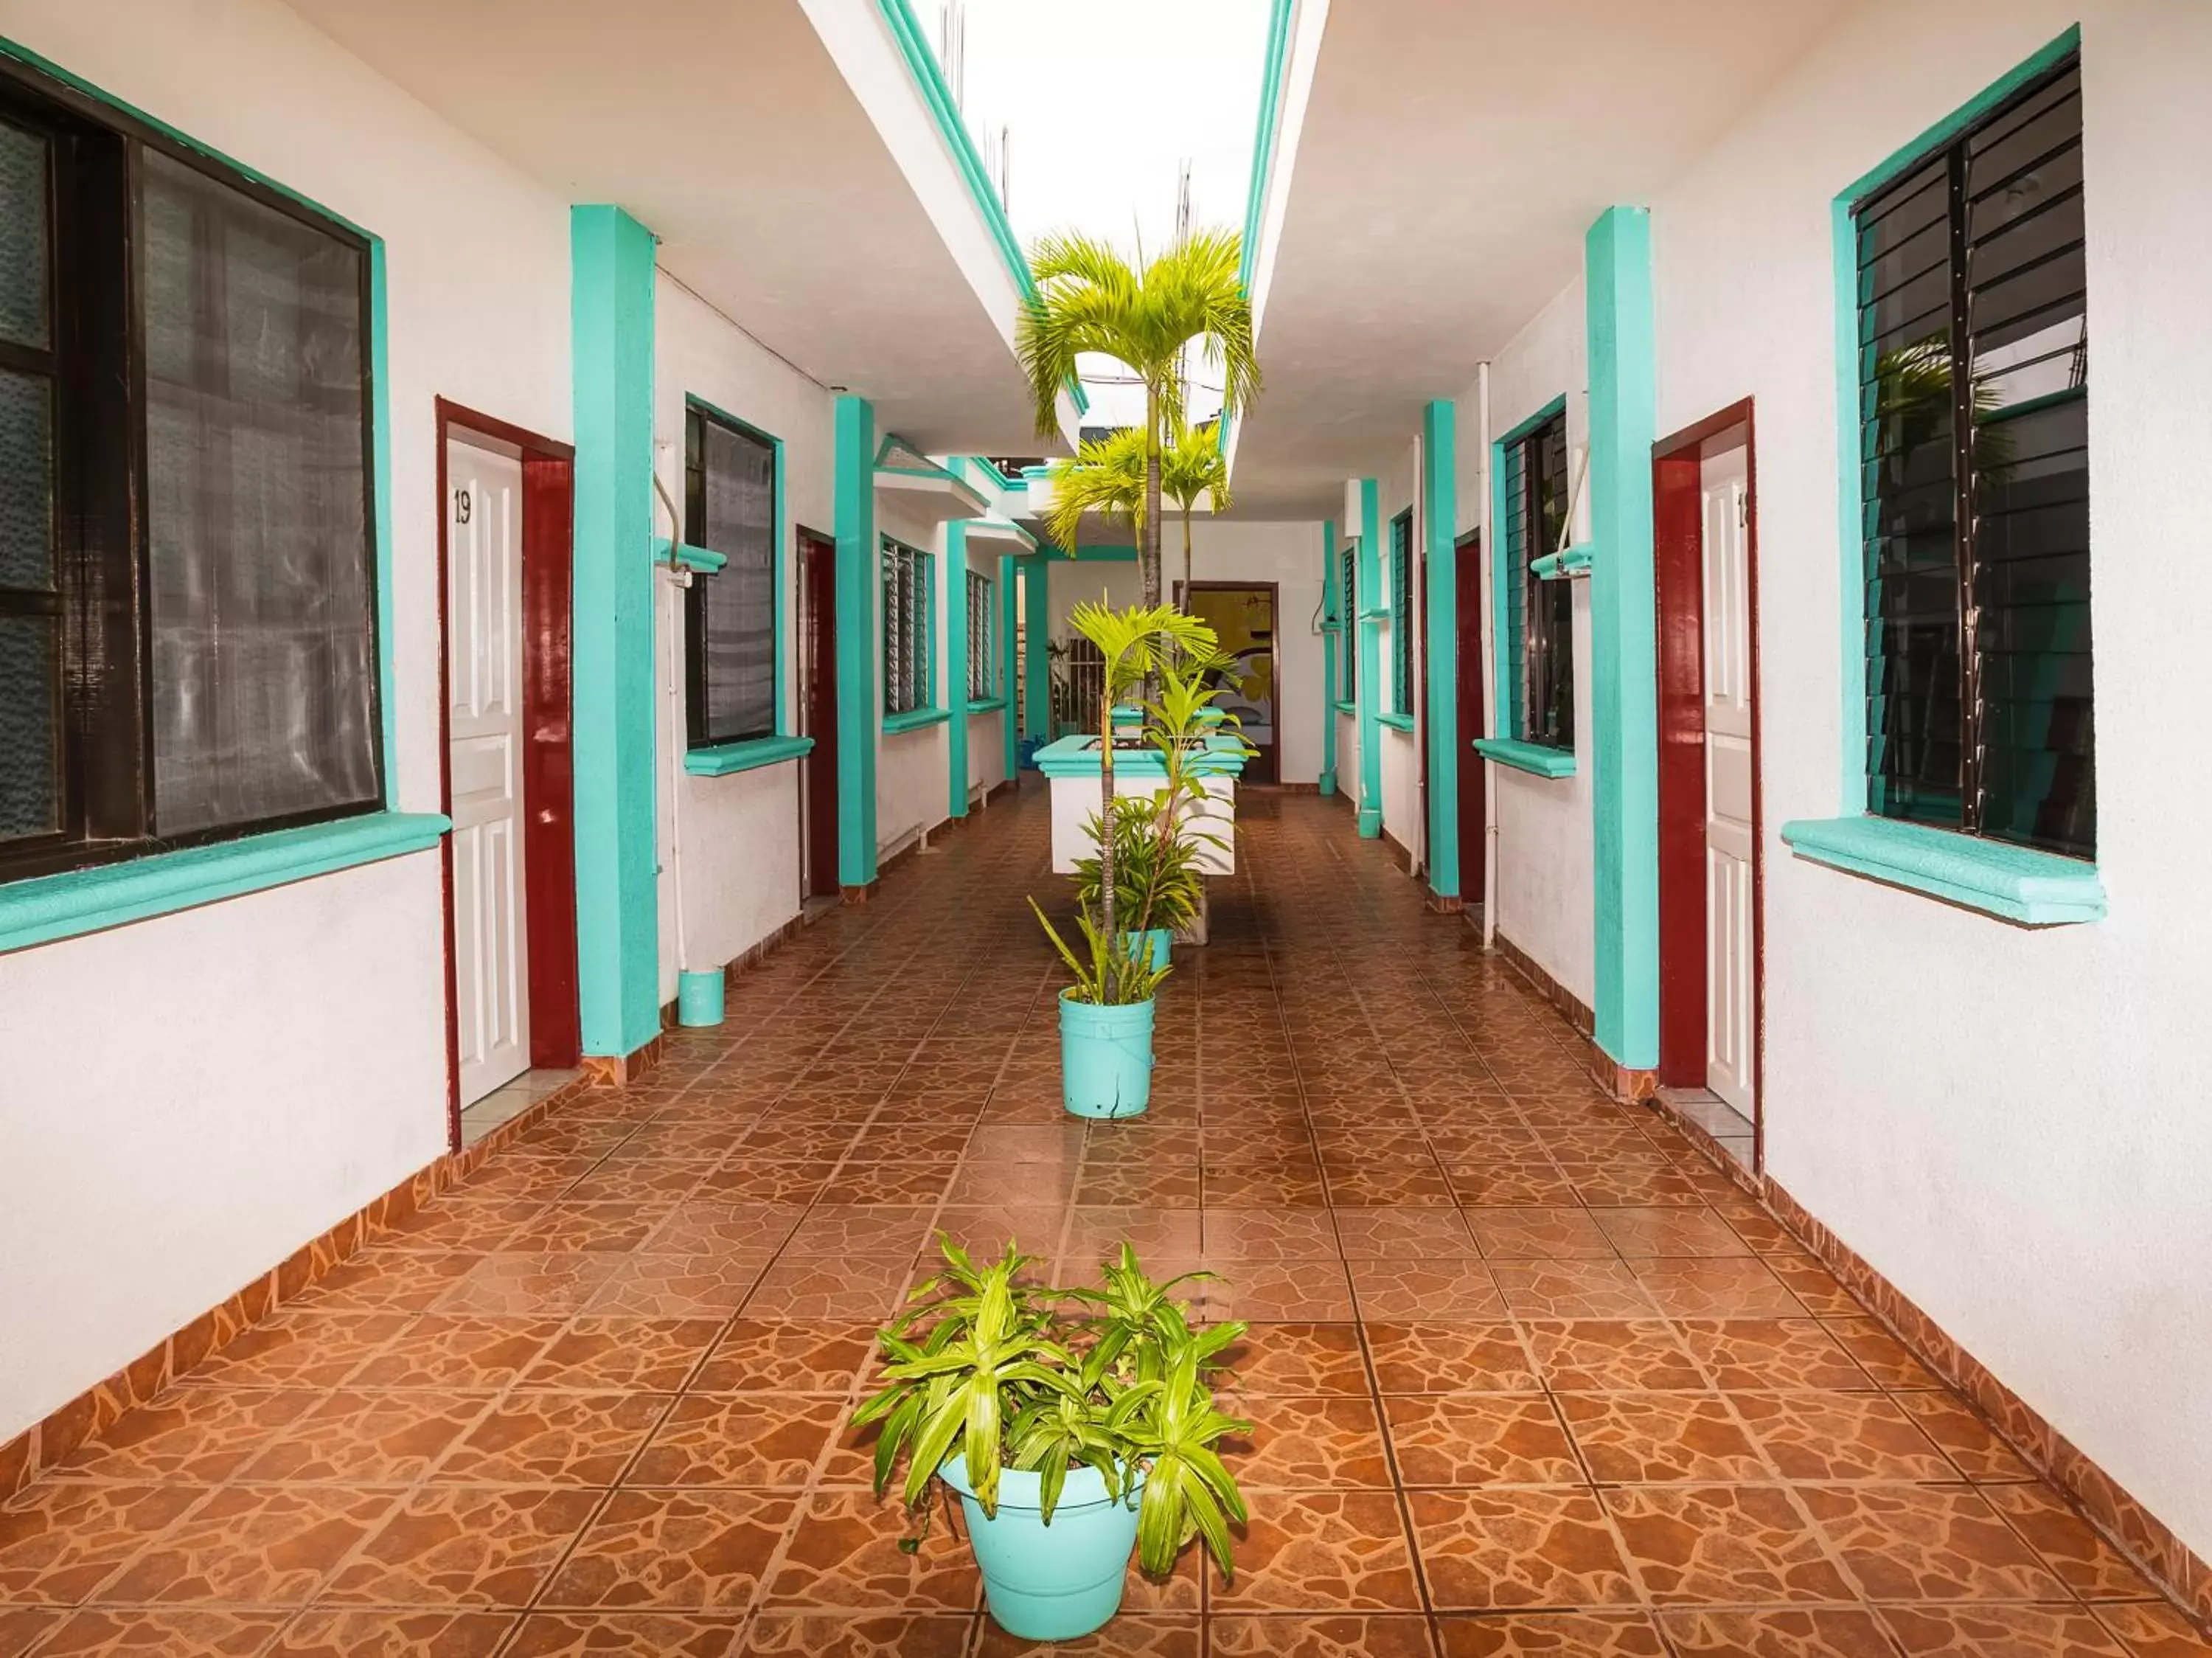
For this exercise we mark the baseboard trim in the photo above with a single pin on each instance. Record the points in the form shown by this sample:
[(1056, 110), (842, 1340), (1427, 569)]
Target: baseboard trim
[(620, 1071), (1313, 787), (1627, 1083)]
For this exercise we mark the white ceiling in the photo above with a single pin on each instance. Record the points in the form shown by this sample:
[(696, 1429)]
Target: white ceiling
[(1453, 154), (727, 128)]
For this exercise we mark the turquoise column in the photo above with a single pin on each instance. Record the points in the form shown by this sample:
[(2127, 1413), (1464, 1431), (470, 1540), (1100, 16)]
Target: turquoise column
[(1333, 611), (1037, 626), (1370, 659), (1440, 519), (617, 905), (956, 667), (1004, 645), (1624, 670), (857, 703)]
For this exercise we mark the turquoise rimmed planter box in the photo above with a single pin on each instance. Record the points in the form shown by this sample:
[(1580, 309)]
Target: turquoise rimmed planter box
[(1051, 1582), (1071, 766)]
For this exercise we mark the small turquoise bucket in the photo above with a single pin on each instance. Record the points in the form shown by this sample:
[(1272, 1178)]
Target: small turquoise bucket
[(1056, 1581), (699, 998), (1160, 939), (1105, 1058)]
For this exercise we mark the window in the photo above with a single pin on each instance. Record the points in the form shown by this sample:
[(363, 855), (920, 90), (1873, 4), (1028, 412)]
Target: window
[(1347, 588), (1974, 404), (188, 646), (1540, 615), (730, 616), (982, 674), (909, 612), (1402, 612)]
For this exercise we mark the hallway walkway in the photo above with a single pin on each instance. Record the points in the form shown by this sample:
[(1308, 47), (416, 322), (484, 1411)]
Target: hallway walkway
[(1529, 1377)]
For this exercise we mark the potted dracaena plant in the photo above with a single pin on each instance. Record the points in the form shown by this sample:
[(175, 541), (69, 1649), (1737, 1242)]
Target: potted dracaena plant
[(1075, 1425), (1106, 1014)]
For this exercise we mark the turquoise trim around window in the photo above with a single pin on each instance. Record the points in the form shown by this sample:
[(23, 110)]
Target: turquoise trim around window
[(1565, 565), (1352, 708), (1396, 722), (1850, 499), (783, 552), (77, 901), (1330, 632), (986, 706), (618, 858), (1439, 565), (2014, 883), (725, 760), (1533, 757), (914, 719), (858, 700), (1624, 717), (956, 667), (1509, 718), (1369, 643)]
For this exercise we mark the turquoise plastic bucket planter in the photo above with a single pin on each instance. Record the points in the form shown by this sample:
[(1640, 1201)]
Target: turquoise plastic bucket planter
[(1105, 1058), (699, 998), (1050, 1583), (1161, 939)]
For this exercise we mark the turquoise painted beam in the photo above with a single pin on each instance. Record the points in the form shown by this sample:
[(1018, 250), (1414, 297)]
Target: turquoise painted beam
[(954, 695), (1009, 722), (858, 701), (1624, 670), (1332, 610), (1036, 628), (617, 904), (1370, 659), (1439, 560)]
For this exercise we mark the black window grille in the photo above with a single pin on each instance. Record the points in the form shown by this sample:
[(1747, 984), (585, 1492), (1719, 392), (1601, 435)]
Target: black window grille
[(1973, 396), (1402, 612), (1348, 603), (1540, 615), (730, 616), (907, 616), (982, 670)]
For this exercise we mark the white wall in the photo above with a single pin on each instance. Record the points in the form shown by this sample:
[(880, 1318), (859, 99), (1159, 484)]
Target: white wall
[(1544, 884), (2006, 1123), (739, 834), (913, 768), (188, 1100), (1398, 489), (1289, 555)]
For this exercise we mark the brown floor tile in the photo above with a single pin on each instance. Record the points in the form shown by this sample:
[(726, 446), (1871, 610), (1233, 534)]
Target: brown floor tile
[(843, 1554), (1296, 1358), (1474, 1439), (265, 1546), (430, 1633), (360, 1438), (2155, 1629), (1419, 1357), (1426, 1290), (1275, 1235), (1506, 1549), (656, 1286), (537, 1284), (1571, 1289), (1740, 1545), (851, 1290), (465, 1546), (195, 1435), (553, 1439), (1321, 1443), (1720, 1288), (1670, 1230), (60, 1541), (1286, 1636), (630, 1635), (1641, 1439), (202, 1632), (598, 1353), (1970, 1443), (1813, 1632), (701, 1550), (2084, 1562), (706, 1227), (1611, 1354), (771, 1441), (824, 1635), (1333, 1551), (445, 1350), (788, 1356), (1308, 1292), (1840, 1436), (1769, 1354), (298, 1350), (1880, 1353), (1558, 1233), (2001, 1631), (1929, 1543)]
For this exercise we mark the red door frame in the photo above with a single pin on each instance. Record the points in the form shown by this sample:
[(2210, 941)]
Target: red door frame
[(549, 858), (1473, 806), (1677, 519), (817, 707)]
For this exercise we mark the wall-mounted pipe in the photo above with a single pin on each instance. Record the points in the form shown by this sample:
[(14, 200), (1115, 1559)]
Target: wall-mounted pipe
[(1496, 715)]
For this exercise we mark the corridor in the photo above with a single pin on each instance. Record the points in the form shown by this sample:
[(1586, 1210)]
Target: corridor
[(1528, 1376)]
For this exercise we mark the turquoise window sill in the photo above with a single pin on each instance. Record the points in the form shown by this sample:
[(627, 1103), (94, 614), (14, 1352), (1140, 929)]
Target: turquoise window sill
[(702, 559), (986, 706), (1396, 722), (2033, 889), (64, 906), (724, 758), (1533, 757), (914, 719), (1345, 708)]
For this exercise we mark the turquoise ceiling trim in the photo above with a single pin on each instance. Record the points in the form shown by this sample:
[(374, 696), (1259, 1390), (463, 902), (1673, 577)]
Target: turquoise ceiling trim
[(1265, 131)]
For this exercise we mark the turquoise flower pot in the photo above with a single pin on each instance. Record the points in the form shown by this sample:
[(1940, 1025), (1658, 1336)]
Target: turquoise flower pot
[(1056, 1581), (1105, 1058), (1160, 939)]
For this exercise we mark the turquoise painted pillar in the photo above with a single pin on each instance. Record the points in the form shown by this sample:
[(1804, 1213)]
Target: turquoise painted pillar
[(1037, 627), (1004, 645), (617, 905), (1625, 721), (857, 703), (956, 667), (1332, 612), (1440, 519), (1370, 659)]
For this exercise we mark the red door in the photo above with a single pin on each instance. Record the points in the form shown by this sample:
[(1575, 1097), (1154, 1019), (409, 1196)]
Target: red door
[(1466, 602), (818, 634)]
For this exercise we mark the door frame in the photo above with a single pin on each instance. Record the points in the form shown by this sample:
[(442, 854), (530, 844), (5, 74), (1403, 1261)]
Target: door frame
[(1678, 567), (823, 756), (549, 859), (1274, 592), (1471, 690)]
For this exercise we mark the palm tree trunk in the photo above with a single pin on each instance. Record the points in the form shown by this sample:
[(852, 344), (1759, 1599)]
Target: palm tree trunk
[(1148, 540), (1107, 918)]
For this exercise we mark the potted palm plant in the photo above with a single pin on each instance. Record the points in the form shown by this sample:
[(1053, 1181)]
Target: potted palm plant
[(1076, 1426), (1106, 1015), (1155, 871)]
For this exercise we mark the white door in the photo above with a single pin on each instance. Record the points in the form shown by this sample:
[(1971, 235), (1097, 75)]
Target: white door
[(1728, 960), (483, 623)]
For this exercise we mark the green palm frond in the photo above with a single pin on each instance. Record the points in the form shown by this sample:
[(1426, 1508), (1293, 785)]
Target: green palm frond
[(1106, 476)]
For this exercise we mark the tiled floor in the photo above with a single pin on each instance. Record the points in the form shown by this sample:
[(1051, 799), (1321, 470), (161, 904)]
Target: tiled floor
[(1529, 1379)]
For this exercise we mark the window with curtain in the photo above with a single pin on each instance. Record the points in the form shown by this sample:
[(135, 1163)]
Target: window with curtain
[(982, 670), (1540, 615), (729, 615), (1348, 645), (188, 628), (1402, 612), (908, 614), (1974, 408)]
